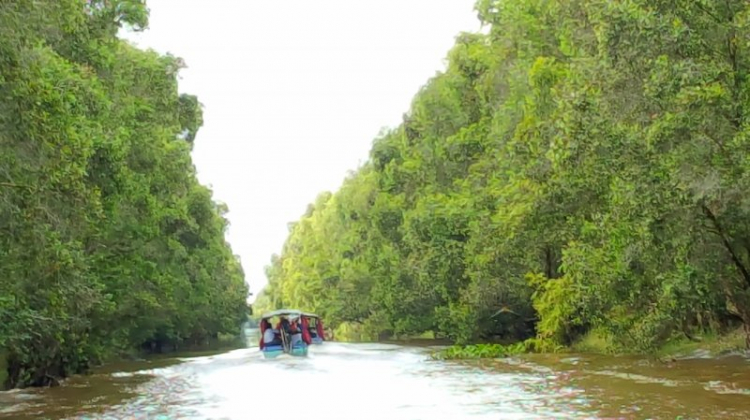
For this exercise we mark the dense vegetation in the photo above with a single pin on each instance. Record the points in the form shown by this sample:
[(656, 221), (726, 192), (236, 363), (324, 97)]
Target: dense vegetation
[(581, 167), (107, 240), (480, 351)]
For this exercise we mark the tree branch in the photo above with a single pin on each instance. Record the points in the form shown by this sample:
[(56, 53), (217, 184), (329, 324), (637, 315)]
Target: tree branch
[(703, 9), (12, 185), (735, 258)]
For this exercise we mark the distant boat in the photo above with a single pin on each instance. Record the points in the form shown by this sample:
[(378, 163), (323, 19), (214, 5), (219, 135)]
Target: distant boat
[(294, 344), (317, 333)]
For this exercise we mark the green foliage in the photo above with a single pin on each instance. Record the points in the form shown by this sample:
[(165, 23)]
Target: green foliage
[(596, 341), (107, 240), (353, 332), (480, 351), (715, 344), (582, 166)]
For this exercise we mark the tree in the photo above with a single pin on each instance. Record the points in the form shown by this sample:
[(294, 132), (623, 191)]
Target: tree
[(580, 166), (107, 240)]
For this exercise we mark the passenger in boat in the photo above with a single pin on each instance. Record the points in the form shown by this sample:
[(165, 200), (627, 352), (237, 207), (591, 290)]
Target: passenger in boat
[(284, 325), (270, 336), (295, 333), (313, 332), (292, 329)]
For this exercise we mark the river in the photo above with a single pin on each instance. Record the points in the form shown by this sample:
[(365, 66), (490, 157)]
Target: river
[(393, 382)]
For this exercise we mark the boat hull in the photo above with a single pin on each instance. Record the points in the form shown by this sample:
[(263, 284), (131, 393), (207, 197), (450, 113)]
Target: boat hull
[(300, 351), (272, 354), (276, 351)]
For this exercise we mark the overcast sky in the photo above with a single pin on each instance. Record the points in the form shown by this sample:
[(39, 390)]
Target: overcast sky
[(294, 92)]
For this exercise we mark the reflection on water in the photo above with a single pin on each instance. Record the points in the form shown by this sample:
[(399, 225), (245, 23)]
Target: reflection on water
[(383, 381)]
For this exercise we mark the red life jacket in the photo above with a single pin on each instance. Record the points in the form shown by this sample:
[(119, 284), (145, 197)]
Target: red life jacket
[(306, 337), (262, 330), (319, 327)]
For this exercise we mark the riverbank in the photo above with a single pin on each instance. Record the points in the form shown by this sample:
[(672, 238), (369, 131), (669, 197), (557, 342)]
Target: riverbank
[(710, 344), (357, 333), (221, 344), (212, 346), (707, 346), (704, 344)]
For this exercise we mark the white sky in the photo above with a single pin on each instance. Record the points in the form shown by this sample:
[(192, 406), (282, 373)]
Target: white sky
[(294, 92)]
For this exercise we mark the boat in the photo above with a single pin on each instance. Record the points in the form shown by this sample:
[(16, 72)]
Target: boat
[(317, 332), (298, 349)]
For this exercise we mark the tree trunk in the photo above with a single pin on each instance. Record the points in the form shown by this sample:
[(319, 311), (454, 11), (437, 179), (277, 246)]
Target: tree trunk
[(738, 304)]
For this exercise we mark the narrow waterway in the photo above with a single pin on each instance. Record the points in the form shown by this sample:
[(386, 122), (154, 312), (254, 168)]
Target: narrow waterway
[(392, 382)]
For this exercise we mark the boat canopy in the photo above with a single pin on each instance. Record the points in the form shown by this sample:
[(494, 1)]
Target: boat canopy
[(309, 315), (294, 313)]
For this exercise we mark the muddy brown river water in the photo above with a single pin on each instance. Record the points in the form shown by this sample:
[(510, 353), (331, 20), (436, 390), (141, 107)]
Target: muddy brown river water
[(393, 382)]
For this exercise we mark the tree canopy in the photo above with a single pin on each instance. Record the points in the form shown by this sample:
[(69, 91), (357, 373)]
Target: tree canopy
[(582, 165), (107, 240)]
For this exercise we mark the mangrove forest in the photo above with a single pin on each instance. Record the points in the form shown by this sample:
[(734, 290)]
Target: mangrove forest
[(579, 167)]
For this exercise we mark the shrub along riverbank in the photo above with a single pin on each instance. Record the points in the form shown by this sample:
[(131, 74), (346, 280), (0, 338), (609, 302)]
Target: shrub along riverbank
[(583, 165), (108, 243), (711, 345), (480, 351)]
